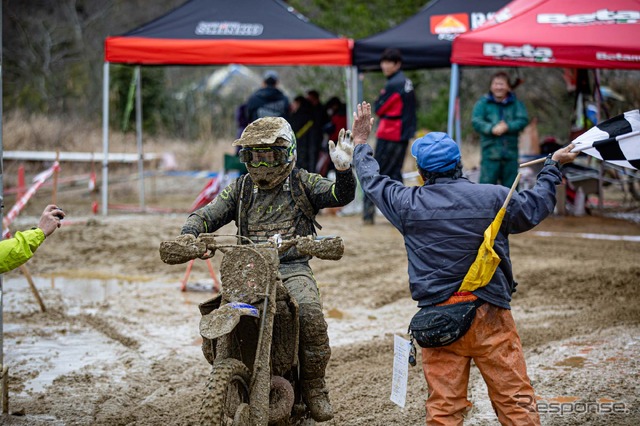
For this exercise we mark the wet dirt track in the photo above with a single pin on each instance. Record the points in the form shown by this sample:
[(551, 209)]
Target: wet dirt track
[(576, 308)]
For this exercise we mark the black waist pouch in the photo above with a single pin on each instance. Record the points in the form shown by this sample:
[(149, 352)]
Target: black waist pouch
[(435, 326)]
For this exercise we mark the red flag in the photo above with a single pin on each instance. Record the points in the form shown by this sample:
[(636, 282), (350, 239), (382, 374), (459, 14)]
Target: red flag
[(207, 194)]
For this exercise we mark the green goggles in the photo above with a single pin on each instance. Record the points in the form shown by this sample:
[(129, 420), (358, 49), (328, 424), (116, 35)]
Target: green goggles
[(267, 157)]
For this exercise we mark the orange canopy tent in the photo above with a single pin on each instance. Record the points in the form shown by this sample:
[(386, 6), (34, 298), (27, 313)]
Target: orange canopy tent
[(215, 32)]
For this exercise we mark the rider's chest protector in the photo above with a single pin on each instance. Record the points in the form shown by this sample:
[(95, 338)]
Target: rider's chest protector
[(284, 210)]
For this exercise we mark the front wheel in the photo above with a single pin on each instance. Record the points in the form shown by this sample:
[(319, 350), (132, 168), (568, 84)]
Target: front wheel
[(227, 392)]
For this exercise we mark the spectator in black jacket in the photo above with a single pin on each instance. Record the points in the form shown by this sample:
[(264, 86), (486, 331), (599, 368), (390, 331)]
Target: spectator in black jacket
[(396, 108), (268, 101)]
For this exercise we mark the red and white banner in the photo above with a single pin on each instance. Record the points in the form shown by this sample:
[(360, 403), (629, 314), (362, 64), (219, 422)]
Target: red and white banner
[(38, 181), (210, 190)]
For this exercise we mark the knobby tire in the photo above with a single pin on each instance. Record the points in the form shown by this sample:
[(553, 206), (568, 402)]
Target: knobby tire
[(227, 388)]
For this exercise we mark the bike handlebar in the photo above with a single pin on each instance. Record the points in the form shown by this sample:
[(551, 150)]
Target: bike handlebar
[(205, 246)]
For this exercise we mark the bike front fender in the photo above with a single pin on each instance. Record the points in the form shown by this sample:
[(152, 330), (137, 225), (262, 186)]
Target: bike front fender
[(224, 319)]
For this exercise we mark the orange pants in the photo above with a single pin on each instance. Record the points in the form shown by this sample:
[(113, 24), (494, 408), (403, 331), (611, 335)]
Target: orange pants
[(494, 345)]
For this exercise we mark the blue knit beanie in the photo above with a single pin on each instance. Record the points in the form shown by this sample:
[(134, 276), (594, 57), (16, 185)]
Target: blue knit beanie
[(436, 152)]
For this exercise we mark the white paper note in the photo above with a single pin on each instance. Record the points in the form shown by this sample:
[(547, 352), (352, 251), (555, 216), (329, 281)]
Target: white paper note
[(401, 350)]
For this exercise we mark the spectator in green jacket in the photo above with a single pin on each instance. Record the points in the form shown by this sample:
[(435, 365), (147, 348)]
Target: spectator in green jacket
[(17, 250), (499, 117)]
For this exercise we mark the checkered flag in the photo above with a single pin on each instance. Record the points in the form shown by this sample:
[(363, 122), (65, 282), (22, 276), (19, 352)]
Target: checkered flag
[(616, 140)]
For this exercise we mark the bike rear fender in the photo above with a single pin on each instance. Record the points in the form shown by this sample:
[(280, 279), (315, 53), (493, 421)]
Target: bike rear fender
[(223, 320)]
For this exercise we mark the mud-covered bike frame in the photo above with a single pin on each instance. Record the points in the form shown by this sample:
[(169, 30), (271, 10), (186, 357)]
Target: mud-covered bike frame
[(250, 331)]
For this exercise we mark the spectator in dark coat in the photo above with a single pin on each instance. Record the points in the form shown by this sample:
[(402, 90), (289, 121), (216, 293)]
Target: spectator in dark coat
[(302, 124), (396, 108), (268, 101)]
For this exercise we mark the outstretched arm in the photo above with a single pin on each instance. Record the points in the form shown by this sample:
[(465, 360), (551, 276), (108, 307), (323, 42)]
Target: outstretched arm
[(17, 250)]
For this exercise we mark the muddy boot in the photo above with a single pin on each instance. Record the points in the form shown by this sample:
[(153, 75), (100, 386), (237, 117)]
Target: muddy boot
[(316, 396), (314, 356)]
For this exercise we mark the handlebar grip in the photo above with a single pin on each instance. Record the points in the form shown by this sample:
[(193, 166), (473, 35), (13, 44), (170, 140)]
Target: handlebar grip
[(174, 253), (327, 248)]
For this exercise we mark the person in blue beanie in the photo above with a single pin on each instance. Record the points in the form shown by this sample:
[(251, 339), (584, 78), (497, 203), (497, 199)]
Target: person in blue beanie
[(443, 222)]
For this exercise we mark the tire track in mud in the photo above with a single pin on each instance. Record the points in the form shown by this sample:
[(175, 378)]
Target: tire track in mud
[(372, 287), (596, 297), (102, 326), (62, 322), (373, 268)]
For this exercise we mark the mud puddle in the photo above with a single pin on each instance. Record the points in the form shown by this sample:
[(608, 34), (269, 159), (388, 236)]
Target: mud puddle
[(90, 323), (359, 324), (80, 290), (54, 355)]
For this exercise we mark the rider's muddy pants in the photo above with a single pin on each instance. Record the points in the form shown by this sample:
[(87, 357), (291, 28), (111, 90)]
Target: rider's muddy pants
[(314, 340), (494, 345)]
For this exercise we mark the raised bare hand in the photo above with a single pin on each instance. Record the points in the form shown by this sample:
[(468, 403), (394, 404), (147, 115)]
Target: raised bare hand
[(362, 123)]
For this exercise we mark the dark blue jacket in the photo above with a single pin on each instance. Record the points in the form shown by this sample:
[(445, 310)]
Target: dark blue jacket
[(443, 225)]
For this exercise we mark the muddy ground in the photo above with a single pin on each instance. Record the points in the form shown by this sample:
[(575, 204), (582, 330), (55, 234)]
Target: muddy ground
[(119, 343)]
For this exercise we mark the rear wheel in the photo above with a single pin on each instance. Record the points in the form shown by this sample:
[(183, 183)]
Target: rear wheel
[(226, 394), (281, 398)]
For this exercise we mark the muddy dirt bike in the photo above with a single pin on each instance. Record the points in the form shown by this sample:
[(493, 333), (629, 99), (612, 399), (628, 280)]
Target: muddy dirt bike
[(250, 331)]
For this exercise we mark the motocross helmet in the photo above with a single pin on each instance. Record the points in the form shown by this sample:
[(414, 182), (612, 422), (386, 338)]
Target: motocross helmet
[(268, 151)]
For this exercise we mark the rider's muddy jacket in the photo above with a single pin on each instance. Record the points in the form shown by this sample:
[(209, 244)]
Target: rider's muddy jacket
[(443, 225), (260, 214)]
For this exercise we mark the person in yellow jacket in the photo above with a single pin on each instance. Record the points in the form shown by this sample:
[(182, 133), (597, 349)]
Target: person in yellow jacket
[(17, 250)]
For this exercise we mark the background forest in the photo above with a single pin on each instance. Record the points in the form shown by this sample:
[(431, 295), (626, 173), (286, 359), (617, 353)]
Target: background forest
[(53, 54)]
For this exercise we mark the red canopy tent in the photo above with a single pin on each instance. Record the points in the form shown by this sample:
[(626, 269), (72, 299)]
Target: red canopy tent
[(552, 33), (214, 32), (556, 33)]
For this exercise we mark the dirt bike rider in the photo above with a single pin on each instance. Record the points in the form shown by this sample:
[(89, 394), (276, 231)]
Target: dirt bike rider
[(276, 198)]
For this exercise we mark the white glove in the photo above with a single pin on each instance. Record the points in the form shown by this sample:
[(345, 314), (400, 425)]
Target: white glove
[(342, 153)]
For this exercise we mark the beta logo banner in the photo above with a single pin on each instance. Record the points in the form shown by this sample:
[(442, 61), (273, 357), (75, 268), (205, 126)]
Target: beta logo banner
[(525, 53), (602, 16), (457, 23)]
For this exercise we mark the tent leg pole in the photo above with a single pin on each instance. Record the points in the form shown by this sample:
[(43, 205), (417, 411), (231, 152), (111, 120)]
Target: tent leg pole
[(139, 135), (105, 138), (353, 94), (453, 94), (458, 120), (349, 88)]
